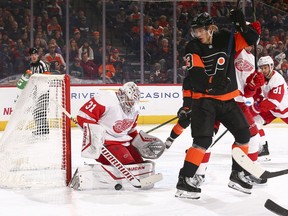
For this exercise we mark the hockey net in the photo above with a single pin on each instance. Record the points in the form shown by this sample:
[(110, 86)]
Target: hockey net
[(35, 148)]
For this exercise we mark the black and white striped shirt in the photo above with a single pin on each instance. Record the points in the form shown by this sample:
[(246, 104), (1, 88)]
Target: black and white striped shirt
[(39, 67)]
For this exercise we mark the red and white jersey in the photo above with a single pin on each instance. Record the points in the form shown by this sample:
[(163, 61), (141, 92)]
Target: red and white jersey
[(244, 66), (104, 109), (275, 96)]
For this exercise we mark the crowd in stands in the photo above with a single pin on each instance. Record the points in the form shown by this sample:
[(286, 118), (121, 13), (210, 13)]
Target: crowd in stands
[(123, 36)]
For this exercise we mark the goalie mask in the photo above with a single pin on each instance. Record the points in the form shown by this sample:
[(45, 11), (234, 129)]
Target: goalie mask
[(129, 96)]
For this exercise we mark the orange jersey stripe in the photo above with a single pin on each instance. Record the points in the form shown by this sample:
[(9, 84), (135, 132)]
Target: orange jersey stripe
[(195, 155), (197, 61), (187, 93), (224, 97), (244, 148), (177, 129), (240, 42)]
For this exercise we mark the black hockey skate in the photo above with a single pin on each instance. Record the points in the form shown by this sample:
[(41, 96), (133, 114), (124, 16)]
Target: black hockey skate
[(185, 189), (264, 151), (239, 182)]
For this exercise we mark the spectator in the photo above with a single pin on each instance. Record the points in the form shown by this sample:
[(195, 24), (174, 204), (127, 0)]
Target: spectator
[(118, 63), (59, 39), (55, 10), (6, 65), (40, 43), (56, 60), (109, 71), (77, 37), (90, 69), (86, 48), (73, 50), (53, 27), (76, 69), (19, 54), (274, 24), (84, 27), (222, 11), (121, 19), (14, 32), (96, 45)]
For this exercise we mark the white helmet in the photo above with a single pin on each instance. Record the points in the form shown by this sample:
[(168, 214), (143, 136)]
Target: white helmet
[(128, 95), (266, 60)]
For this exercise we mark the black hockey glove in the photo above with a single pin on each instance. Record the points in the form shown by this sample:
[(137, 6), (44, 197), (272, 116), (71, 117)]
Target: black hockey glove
[(219, 85), (184, 113), (237, 17)]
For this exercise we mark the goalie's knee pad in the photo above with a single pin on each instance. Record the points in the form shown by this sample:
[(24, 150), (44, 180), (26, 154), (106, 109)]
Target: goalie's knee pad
[(97, 176)]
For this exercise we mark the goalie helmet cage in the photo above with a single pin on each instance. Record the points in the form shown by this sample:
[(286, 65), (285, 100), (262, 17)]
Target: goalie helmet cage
[(35, 148)]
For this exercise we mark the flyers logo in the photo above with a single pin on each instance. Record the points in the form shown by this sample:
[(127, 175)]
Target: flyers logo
[(243, 65), (214, 63)]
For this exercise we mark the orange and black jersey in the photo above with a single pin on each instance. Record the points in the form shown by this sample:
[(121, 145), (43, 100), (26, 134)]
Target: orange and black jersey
[(206, 61)]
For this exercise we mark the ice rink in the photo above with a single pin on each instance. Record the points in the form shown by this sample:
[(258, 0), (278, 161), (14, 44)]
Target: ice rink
[(216, 198)]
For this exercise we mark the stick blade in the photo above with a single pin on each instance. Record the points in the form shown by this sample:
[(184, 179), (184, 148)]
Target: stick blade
[(275, 208), (150, 180), (244, 161)]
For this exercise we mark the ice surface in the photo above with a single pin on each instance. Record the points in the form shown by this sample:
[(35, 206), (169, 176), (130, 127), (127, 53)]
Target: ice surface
[(216, 197)]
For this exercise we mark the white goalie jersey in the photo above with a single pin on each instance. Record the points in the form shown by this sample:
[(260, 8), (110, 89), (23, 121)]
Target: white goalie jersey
[(104, 109)]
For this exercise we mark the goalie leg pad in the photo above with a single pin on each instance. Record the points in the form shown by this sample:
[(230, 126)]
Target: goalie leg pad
[(93, 140), (97, 176), (150, 147)]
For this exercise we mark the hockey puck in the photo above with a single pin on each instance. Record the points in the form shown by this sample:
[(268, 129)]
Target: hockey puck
[(118, 187)]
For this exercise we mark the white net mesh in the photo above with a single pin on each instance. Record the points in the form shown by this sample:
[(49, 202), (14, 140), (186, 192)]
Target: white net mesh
[(34, 146)]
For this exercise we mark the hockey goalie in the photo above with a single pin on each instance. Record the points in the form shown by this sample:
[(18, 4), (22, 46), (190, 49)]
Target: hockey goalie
[(109, 121)]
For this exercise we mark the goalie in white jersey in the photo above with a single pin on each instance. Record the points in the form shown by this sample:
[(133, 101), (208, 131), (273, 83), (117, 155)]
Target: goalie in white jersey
[(109, 119)]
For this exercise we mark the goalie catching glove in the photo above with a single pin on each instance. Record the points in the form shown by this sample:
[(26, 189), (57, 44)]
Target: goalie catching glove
[(150, 147), (93, 140)]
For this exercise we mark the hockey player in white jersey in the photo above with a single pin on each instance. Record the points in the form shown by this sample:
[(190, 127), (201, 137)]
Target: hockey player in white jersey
[(110, 119), (271, 100)]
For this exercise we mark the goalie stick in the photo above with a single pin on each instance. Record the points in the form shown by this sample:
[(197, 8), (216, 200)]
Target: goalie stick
[(137, 183), (164, 123), (275, 208), (244, 161)]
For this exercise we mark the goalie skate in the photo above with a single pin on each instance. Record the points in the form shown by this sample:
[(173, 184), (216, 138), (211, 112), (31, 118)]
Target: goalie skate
[(185, 189)]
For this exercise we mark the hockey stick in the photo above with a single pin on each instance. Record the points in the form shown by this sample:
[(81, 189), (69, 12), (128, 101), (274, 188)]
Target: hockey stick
[(244, 161), (137, 183), (275, 208), (255, 44), (219, 138), (161, 125)]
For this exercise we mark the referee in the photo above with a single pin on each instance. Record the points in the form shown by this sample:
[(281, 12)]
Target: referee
[(41, 102), (36, 64)]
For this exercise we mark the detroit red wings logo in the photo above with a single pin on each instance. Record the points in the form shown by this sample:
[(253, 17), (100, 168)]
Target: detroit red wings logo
[(122, 125), (243, 65)]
